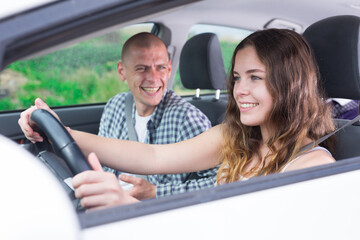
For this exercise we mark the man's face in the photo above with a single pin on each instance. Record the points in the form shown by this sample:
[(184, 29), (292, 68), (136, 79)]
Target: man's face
[(147, 71)]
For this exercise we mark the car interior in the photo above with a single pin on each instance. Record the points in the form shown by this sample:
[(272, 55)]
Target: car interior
[(335, 41), (201, 67)]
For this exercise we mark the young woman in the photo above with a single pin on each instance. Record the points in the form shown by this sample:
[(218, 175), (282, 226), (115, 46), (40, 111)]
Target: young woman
[(276, 108)]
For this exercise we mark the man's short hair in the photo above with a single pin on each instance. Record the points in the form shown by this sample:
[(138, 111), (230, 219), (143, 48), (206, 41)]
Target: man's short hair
[(141, 40)]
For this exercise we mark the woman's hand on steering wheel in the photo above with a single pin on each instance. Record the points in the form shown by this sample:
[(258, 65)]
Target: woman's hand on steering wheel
[(27, 126), (98, 189)]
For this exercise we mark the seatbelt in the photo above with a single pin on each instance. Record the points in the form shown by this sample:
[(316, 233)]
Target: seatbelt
[(129, 101), (317, 142)]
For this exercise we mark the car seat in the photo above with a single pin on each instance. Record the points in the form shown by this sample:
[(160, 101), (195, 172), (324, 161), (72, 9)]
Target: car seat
[(335, 42), (202, 67)]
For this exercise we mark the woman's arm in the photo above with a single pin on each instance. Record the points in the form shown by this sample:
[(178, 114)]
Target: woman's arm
[(199, 153)]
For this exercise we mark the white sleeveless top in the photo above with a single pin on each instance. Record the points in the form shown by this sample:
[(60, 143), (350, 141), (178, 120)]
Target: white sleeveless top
[(311, 150), (289, 163)]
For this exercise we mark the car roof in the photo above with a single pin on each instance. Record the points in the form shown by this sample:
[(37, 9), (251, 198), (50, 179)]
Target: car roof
[(302, 12), (9, 8), (237, 13), (263, 13)]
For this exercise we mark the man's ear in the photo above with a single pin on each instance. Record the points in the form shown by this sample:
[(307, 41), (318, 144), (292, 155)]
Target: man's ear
[(170, 66), (121, 71)]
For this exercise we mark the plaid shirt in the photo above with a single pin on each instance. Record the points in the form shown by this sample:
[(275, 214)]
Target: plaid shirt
[(349, 110), (173, 120)]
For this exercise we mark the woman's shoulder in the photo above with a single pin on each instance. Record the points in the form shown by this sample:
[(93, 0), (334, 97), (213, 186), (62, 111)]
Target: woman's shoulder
[(315, 157)]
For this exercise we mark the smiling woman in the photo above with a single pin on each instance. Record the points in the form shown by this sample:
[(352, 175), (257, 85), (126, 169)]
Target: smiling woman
[(275, 93), (250, 90)]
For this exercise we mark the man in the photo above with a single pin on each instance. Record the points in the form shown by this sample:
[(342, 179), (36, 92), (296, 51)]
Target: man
[(159, 115)]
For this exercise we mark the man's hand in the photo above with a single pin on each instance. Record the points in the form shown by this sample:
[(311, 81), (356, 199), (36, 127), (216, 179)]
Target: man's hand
[(142, 189), (26, 124), (99, 189)]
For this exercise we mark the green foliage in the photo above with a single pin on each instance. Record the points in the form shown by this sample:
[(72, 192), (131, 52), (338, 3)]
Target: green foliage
[(84, 73), (227, 49), (6, 103)]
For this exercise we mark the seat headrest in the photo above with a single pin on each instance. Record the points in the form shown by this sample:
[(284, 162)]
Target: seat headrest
[(201, 63), (335, 41)]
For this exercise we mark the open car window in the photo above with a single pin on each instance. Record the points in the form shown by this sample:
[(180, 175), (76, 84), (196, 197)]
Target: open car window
[(229, 37), (82, 73)]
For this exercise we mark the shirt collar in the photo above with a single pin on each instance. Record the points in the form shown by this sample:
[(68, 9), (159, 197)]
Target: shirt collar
[(158, 113)]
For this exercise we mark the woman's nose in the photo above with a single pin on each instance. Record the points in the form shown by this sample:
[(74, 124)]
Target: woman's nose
[(241, 87)]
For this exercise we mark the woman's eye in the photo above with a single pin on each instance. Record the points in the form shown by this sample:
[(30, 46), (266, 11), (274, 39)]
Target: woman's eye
[(236, 78), (253, 77)]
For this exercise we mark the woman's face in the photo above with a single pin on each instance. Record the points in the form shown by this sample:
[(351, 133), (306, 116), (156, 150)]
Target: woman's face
[(250, 91)]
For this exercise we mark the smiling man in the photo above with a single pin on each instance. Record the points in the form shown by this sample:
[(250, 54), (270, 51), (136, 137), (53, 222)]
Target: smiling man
[(158, 115), (146, 67)]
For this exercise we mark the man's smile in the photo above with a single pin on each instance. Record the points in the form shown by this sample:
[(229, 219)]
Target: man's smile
[(150, 89)]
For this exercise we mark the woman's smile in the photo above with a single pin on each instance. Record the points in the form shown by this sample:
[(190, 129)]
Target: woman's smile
[(245, 106)]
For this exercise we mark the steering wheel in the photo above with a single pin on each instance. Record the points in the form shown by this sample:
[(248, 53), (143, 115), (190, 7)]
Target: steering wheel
[(68, 159)]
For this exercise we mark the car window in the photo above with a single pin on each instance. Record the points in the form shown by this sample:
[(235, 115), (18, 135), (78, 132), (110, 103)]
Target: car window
[(79, 74), (229, 38)]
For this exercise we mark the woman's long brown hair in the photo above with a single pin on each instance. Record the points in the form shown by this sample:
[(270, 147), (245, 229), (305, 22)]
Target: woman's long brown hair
[(299, 107)]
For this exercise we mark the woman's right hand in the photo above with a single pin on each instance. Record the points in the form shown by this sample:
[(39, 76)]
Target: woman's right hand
[(27, 125), (97, 189)]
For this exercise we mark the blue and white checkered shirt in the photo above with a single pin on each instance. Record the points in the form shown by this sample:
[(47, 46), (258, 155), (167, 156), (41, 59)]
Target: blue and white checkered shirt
[(173, 120)]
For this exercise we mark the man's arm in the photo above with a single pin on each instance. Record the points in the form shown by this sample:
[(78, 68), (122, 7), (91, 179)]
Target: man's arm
[(193, 124)]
